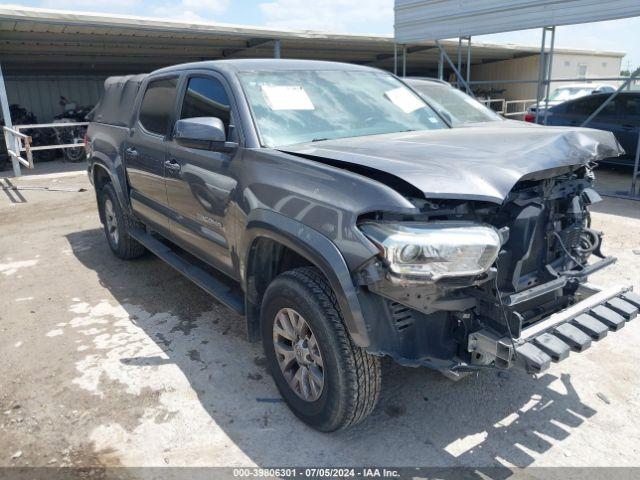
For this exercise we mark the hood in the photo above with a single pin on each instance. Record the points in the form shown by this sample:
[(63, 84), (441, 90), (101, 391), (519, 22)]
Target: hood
[(482, 163)]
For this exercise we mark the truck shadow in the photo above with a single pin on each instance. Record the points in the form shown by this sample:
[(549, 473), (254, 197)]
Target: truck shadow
[(485, 421)]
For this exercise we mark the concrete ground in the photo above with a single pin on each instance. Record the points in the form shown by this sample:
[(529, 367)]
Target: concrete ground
[(113, 363)]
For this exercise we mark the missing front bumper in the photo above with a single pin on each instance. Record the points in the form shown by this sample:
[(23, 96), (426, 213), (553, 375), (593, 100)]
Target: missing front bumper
[(552, 339)]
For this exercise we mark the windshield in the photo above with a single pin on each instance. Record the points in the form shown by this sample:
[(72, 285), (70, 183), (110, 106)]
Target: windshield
[(567, 93), (292, 107), (458, 106)]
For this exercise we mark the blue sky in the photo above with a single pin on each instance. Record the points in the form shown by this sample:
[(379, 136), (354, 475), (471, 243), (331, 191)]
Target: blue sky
[(351, 16)]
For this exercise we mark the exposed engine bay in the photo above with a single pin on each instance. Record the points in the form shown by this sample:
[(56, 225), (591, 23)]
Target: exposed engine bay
[(545, 246)]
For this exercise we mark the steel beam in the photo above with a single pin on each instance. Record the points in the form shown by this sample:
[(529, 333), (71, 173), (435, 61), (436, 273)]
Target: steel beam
[(549, 70), (468, 60), (636, 168), (276, 48), (540, 72), (404, 60), (395, 58), (459, 55), (6, 114), (444, 54)]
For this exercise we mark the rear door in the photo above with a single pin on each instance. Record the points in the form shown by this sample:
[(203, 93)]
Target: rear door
[(200, 181), (629, 128), (146, 150), (579, 110)]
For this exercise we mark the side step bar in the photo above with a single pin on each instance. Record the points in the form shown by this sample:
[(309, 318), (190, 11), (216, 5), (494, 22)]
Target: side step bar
[(552, 339), (210, 284)]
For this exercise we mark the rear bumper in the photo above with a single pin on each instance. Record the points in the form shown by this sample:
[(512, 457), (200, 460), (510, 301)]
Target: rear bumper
[(552, 339)]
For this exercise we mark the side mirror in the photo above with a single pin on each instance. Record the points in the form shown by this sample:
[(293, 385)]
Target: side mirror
[(201, 132)]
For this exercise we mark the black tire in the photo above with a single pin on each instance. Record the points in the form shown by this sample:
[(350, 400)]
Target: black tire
[(352, 377), (122, 244)]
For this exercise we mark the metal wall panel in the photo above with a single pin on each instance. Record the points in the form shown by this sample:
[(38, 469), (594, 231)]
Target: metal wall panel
[(420, 20), (41, 94)]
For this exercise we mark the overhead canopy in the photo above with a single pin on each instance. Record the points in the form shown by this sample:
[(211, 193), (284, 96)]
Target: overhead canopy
[(420, 20), (38, 41)]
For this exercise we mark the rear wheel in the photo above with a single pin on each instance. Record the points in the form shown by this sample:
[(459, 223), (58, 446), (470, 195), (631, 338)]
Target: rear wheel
[(117, 225), (326, 380)]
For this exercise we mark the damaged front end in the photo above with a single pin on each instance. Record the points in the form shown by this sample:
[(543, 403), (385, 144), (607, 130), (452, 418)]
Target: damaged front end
[(468, 284)]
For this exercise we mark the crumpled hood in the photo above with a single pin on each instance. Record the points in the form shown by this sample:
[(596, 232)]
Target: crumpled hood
[(482, 163)]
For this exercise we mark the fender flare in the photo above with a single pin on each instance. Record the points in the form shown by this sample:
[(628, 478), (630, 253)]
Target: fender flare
[(321, 252), (116, 175)]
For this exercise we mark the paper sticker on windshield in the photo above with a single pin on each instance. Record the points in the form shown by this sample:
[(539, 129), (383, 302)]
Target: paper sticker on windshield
[(404, 99), (287, 97)]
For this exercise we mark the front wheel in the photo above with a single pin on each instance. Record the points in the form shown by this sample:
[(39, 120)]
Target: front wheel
[(327, 381)]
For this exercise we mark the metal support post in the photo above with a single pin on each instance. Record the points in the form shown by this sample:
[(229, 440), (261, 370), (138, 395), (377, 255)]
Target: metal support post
[(459, 56), (441, 66), (549, 73), (636, 167), (6, 114), (540, 72), (276, 49), (443, 54), (395, 58), (404, 60), (468, 60)]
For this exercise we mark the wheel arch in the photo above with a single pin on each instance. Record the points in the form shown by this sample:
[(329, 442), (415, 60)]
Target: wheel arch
[(268, 229), (100, 174)]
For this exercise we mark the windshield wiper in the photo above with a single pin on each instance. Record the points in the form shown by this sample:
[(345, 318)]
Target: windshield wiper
[(319, 139)]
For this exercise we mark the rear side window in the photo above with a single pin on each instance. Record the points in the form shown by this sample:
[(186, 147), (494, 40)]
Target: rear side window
[(157, 105), (632, 108), (206, 97), (586, 106)]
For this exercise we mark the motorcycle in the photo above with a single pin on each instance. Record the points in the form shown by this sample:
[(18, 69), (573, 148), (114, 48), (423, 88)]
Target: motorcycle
[(71, 135)]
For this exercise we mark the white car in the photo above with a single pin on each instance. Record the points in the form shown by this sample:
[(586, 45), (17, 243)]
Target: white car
[(568, 92)]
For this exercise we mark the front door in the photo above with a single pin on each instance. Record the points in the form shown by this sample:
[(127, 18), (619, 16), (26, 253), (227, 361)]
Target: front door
[(145, 152), (199, 181)]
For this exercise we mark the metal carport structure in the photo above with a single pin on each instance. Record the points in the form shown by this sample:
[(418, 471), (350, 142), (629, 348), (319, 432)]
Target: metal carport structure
[(435, 20), (47, 43)]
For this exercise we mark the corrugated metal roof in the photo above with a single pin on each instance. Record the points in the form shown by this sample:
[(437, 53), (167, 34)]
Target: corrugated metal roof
[(419, 20), (59, 42)]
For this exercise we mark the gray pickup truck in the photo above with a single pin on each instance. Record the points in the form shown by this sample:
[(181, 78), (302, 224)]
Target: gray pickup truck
[(346, 219)]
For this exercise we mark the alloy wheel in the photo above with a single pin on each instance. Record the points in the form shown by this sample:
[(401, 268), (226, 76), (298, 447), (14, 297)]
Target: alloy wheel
[(298, 354)]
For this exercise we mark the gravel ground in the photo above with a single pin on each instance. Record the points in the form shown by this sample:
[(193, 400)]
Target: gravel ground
[(112, 363)]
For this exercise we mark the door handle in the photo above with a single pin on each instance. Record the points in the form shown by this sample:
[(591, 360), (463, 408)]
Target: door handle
[(172, 165), (131, 153)]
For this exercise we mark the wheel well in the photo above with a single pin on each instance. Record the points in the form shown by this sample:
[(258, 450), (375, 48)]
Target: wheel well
[(100, 179), (267, 259)]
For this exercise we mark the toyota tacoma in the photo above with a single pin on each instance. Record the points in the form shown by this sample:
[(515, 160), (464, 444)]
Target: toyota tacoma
[(347, 221)]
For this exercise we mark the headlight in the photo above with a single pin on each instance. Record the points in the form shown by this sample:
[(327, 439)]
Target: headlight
[(435, 250)]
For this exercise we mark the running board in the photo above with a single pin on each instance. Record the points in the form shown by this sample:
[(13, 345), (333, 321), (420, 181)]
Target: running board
[(210, 284)]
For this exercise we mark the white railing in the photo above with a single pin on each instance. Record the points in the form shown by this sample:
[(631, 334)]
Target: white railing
[(17, 142), (508, 107)]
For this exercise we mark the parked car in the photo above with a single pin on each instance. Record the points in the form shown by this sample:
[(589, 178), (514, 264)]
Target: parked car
[(347, 221), (621, 117), (566, 93), (458, 108)]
